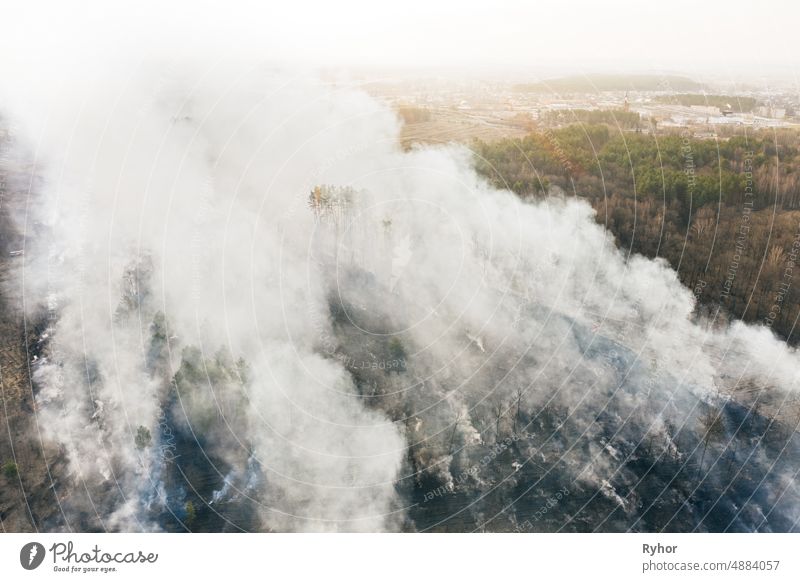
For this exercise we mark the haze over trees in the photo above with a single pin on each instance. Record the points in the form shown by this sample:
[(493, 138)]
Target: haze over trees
[(725, 213), (594, 83)]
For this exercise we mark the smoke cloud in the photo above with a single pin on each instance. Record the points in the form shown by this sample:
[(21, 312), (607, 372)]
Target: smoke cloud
[(254, 297)]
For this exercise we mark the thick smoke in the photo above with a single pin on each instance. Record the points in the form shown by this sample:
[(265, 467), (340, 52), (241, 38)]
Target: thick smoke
[(243, 267)]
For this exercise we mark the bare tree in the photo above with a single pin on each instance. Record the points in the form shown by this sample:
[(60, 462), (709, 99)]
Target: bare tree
[(453, 434), (498, 409), (519, 393)]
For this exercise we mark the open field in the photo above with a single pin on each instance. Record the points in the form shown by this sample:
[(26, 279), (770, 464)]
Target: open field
[(453, 125)]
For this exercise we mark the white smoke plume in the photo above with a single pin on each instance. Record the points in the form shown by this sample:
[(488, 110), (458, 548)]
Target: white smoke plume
[(321, 353)]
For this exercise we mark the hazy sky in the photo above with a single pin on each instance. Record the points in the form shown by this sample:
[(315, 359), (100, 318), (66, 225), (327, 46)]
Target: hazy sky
[(723, 37)]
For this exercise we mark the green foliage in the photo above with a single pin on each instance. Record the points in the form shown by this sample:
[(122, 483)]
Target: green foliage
[(191, 370), (143, 438), (158, 328), (158, 352), (10, 469), (243, 370), (191, 514), (396, 349), (210, 389)]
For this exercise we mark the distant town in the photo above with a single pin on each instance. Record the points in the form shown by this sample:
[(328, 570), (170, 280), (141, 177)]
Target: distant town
[(442, 109)]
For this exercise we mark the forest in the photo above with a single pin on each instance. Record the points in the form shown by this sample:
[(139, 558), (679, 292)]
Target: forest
[(614, 117), (736, 103), (724, 212)]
